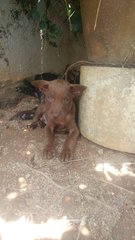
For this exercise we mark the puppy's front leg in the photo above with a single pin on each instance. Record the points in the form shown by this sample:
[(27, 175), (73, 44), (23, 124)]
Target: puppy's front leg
[(49, 149), (70, 143), (39, 113)]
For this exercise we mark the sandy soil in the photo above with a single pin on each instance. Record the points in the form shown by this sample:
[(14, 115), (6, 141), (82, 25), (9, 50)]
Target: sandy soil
[(91, 197)]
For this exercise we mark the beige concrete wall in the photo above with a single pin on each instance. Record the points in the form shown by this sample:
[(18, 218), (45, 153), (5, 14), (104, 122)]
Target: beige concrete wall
[(20, 48), (107, 112)]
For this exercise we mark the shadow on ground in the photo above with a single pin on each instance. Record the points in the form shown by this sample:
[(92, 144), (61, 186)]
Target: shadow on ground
[(91, 197)]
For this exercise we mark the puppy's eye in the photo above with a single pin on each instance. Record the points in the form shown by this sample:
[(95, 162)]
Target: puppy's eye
[(66, 100), (49, 98)]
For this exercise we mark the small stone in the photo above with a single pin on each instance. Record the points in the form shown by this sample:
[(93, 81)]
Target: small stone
[(31, 146), (27, 176), (100, 152), (4, 151)]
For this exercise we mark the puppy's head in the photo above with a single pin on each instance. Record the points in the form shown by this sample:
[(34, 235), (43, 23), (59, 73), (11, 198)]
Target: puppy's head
[(59, 95)]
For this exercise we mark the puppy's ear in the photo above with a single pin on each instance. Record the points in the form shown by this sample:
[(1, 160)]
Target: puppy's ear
[(77, 89), (42, 85)]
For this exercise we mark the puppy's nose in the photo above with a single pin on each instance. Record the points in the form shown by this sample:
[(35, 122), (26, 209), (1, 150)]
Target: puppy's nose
[(56, 114)]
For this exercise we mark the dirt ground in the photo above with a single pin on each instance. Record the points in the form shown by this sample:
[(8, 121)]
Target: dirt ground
[(91, 197)]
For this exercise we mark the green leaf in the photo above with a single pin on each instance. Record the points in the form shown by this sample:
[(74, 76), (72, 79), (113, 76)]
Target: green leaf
[(41, 8), (48, 4), (76, 22), (43, 25), (35, 14), (54, 30)]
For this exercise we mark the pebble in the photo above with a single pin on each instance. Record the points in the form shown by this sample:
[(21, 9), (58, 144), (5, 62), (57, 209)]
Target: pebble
[(100, 152)]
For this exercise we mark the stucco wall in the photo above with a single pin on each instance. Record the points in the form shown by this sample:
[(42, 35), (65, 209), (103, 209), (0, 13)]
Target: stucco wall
[(20, 48), (109, 30), (76, 48)]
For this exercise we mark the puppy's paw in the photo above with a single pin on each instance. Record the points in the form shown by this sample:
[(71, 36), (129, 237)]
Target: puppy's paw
[(66, 155), (48, 152)]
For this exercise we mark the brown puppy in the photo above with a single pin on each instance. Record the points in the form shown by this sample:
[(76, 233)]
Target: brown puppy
[(58, 112)]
